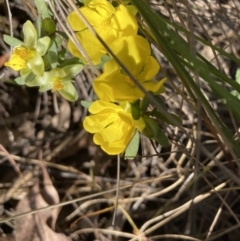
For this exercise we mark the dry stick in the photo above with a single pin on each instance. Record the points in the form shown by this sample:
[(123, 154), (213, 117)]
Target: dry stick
[(221, 166), (85, 205), (11, 160), (173, 236), (179, 211), (215, 221), (22, 179), (224, 202), (104, 231), (223, 232), (117, 192), (29, 174), (36, 162), (10, 22), (91, 197), (64, 203)]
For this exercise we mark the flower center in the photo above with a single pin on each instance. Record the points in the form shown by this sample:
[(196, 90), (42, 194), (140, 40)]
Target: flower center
[(24, 53), (107, 23), (57, 84)]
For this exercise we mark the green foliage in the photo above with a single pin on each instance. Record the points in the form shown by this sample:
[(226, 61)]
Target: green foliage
[(180, 56), (11, 40), (132, 148), (135, 110), (153, 131), (86, 103), (42, 9)]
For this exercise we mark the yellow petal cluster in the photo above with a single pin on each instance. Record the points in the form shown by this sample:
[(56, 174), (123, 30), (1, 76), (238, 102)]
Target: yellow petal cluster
[(112, 127), (109, 22), (114, 85), (111, 120)]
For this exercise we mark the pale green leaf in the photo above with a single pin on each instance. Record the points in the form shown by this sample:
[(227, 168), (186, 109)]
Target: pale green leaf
[(29, 34), (237, 76), (72, 70), (69, 92), (86, 103), (12, 41), (42, 8), (132, 148), (20, 80), (43, 45)]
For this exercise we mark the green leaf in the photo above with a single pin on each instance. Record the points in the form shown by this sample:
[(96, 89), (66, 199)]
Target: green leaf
[(29, 34), (135, 110), (29, 77), (43, 45), (157, 133), (52, 55), (132, 148), (105, 58), (42, 8), (69, 92), (26, 77), (132, 9), (86, 2), (161, 138), (64, 35), (164, 118), (71, 61), (12, 41), (144, 104), (72, 70), (237, 76), (39, 25), (20, 80), (86, 103), (180, 56)]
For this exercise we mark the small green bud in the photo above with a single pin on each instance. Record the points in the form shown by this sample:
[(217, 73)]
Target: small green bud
[(49, 26)]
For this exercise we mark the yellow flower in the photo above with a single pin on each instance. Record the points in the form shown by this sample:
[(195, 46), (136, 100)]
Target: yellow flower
[(113, 128), (109, 22), (27, 56), (135, 53)]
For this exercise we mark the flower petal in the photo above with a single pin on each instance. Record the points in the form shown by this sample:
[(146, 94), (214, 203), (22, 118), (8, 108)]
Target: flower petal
[(153, 86), (43, 45), (115, 89), (72, 70), (150, 69), (76, 22), (99, 106), (16, 62), (69, 92), (36, 64), (98, 122), (30, 34), (37, 81), (127, 21), (132, 51), (90, 43)]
